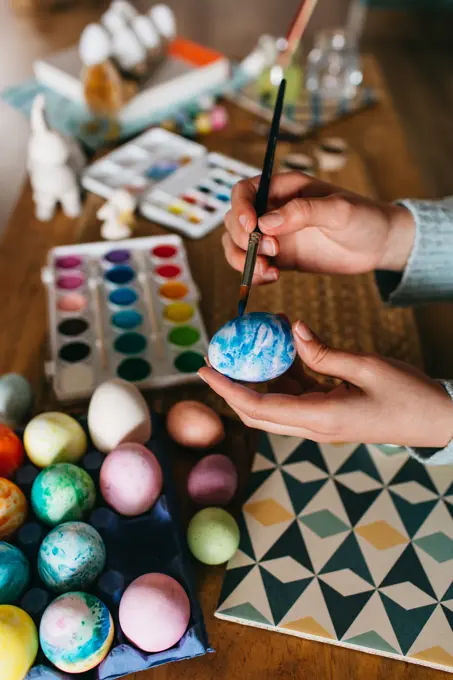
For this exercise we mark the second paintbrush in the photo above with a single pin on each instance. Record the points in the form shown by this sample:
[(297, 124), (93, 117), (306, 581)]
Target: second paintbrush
[(261, 201)]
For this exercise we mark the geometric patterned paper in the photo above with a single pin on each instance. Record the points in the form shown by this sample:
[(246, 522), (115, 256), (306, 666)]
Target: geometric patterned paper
[(347, 544)]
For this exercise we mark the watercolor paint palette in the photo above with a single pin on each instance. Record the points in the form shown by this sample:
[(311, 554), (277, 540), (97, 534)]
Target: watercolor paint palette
[(195, 200), (178, 183), (128, 311), (139, 164)]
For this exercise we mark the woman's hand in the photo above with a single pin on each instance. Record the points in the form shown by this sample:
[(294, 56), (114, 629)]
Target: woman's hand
[(313, 226), (380, 401)]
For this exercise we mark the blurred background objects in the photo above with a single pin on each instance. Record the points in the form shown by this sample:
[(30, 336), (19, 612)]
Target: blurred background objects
[(410, 38)]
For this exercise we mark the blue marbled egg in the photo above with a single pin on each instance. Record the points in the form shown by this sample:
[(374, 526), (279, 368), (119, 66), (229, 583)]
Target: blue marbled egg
[(254, 347), (71, 557), (14, 573), (76, 632)]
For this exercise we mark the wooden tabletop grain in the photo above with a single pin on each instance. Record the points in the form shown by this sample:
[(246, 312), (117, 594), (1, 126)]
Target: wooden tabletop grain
[(241, 652)]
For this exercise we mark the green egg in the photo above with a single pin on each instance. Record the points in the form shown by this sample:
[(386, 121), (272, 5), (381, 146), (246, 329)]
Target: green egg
[(213, 536), (61, 493)]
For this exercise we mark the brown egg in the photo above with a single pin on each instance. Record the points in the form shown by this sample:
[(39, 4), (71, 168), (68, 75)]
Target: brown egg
[(194, 425)]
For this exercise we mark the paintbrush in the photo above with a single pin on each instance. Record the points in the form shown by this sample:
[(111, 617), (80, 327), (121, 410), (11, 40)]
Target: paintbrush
[(261, 201), (288, 46)]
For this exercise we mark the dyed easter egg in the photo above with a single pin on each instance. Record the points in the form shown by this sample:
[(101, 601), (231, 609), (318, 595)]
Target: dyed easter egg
[(54, 438), (117, 414), (254, 347), (14, 573), (45, 673), (131, 479), (213, 536), (13, 508), (154, 612), (213, 480), (11, 451), (15, 399), (195, 425), (76, 632), (71, 557), (18, 642), (62, 492)]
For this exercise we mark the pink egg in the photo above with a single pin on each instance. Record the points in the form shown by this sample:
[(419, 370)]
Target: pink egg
[(154, 612), (213, 480), (131, 479)]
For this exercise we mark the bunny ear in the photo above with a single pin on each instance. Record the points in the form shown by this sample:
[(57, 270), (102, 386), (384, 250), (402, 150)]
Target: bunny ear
[(38, 117)]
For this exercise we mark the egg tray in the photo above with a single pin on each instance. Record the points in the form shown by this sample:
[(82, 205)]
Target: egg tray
[(152, 542)]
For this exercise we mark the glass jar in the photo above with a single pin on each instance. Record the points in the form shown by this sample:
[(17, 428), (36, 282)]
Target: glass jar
[(333, 66)]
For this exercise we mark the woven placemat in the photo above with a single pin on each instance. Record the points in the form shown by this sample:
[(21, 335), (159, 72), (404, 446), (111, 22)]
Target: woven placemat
[(344, 310)]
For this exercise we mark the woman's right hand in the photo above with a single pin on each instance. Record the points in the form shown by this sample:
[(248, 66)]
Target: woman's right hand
[(313, 226)]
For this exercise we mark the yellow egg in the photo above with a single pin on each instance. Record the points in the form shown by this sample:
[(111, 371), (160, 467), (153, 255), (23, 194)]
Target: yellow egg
[(195, 425), (54, 438), (118, 414), (18, 642)]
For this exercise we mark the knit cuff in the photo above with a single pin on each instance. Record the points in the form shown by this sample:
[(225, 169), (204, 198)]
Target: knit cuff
[(436, 456), (428, 276)]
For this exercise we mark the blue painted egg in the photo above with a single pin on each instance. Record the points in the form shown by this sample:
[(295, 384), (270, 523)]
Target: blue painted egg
[(62, 492), (71, 557), (76, 632), (14, 573), (255, 347)]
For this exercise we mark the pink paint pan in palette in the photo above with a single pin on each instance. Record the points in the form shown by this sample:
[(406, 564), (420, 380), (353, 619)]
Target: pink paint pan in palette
[(128, 310), (178, 183)]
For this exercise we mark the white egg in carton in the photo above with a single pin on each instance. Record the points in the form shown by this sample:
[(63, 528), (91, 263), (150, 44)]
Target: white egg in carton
[(128, 310), (178, 183)]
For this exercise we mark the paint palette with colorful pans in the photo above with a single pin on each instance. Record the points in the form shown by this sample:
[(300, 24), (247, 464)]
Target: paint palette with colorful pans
[(195, 200), (140, 164), (128, 311), (178, 183)]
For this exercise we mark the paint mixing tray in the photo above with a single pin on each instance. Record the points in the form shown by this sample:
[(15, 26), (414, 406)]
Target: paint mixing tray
[(177, 182), (151, 542), (128, 311), (196, 199), (140, 164)]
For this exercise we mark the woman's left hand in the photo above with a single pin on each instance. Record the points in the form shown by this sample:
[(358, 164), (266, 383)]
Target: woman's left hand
[(379, 401)]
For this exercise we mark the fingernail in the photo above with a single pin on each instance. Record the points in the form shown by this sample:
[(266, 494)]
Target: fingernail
[(243, 220), (200, 376), (269, 247), (272, 220), (303, 331), (271, 275)]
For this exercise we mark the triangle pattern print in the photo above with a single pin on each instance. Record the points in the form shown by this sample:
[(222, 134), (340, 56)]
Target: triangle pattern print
[(346, 544)]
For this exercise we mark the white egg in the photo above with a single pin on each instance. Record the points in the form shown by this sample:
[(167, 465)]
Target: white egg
[(118, 414)]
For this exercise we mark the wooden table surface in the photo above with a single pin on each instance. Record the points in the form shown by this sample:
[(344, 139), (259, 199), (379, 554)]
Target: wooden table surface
[(241, 652)]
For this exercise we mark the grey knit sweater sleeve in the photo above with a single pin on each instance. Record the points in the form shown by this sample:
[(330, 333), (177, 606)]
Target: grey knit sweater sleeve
[(428, 277)]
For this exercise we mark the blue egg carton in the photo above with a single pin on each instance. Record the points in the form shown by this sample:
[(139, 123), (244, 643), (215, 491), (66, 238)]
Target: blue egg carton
[(152, 542)]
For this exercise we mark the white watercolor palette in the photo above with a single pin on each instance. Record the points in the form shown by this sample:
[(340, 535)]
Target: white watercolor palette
[(128, 311), (178, 183)]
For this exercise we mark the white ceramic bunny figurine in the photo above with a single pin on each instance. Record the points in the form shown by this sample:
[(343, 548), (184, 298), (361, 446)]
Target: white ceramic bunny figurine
[(118, 216), (52, 164)]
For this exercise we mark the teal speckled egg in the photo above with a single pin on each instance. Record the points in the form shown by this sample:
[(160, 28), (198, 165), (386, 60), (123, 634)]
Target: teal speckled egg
[(76, 632), (71, 557), (213, 536), (14, 573), (62, 492)]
